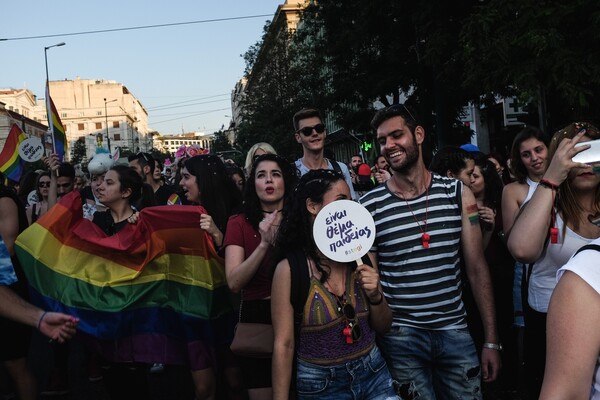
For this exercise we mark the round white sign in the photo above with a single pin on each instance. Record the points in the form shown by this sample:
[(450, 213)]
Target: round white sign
[(344, 231), (31, 149), (32, 197)]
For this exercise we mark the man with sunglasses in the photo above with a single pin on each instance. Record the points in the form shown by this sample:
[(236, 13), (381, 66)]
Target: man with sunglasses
[(310, 132), (427, 227)]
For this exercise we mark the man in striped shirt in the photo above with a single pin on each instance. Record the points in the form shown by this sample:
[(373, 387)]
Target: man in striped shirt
[(425, 223)]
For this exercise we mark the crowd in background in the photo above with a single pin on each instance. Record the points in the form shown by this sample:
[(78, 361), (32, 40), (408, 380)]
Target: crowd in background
[(465, 259)]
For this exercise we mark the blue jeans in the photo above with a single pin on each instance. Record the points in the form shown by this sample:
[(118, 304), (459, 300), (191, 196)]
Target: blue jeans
[(365, 378), (430, 364)]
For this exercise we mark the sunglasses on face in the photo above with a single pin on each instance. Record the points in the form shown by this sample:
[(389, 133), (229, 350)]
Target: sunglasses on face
[(307, 130), (44, 184)]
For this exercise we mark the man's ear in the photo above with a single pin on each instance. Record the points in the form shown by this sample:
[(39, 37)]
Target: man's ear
[(125, 194), (449, 174), (298, 138), (147, 170)]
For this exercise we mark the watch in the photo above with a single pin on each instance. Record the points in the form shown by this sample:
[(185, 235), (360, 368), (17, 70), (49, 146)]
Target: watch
[(493, 346)]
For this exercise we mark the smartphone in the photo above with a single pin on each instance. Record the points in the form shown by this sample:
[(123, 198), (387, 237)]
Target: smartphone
[(589, 156)]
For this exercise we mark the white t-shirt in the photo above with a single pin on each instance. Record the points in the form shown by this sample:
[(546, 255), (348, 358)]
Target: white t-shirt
[(586, 265)]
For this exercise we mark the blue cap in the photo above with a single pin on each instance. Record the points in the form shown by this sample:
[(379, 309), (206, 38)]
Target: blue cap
[(469, 147)]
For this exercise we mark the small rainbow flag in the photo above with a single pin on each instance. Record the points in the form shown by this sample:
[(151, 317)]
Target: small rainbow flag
[(155, 292), (11, 164), (59, 138)]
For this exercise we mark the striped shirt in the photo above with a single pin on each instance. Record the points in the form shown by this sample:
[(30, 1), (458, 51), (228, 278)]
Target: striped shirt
[(421, 285)]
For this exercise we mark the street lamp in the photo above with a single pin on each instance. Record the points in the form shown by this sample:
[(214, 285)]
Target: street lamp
[(46, 57), (106, 120), (48, 110)]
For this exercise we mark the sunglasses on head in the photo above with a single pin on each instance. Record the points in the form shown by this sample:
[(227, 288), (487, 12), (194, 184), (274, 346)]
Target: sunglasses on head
[(401, 108), (307, 130)]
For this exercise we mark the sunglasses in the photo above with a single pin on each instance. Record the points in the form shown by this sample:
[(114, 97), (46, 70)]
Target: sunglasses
[(351, 331), (401, 108), (307, 130), (44, 184)]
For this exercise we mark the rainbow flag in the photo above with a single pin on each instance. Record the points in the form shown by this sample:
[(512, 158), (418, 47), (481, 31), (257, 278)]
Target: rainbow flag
[(59, 138), (11, 164), (155, 292)]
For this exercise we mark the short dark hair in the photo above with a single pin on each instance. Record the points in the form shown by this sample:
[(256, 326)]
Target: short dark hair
[(143, 158), (66, 169), (396, 110), (304, 114)]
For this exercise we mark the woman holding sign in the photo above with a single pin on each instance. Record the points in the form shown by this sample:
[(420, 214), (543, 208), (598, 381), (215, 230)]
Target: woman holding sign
[(327, 333)]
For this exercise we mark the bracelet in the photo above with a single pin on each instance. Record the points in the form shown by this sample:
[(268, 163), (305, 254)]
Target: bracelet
[(40, 320), (378, 302), (547, 184), (493, 346)]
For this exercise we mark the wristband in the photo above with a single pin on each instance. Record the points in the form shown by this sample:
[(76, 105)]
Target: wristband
[(493, 346), (40, 320), (378, 302), (547, 184)]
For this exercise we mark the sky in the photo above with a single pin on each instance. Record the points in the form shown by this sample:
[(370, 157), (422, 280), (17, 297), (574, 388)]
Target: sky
[(183, 75)]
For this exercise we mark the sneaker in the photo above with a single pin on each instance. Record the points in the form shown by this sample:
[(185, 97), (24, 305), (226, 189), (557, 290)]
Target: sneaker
[(156, 368)]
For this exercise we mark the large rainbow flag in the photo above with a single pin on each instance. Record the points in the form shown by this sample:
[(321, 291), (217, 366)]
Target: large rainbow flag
[(11, 164), (59, 137), (154, 292)]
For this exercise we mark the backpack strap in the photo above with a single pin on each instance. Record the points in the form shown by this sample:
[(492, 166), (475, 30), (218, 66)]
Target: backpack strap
[(588, 247), (335, 165)]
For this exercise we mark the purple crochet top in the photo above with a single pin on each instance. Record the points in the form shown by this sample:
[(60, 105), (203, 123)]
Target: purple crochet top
[(322, 340)]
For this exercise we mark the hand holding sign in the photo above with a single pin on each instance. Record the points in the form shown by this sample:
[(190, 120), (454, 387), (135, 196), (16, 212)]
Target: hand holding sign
[(344, 231)]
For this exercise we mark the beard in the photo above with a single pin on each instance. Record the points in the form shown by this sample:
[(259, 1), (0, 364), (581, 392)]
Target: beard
[(411, 158)]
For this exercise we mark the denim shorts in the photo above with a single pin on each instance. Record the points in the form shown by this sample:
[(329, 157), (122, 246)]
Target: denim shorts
[(430, 364), (365, 378)]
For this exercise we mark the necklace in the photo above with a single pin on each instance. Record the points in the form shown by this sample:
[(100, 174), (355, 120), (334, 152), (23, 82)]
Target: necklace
[(424, 235)]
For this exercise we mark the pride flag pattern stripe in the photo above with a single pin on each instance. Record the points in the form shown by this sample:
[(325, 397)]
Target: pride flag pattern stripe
[(158, 281)]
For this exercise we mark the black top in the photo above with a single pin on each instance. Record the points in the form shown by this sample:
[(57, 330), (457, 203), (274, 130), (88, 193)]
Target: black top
[(105, 221)]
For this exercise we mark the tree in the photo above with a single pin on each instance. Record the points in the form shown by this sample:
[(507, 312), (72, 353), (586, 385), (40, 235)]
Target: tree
[(79, 151)]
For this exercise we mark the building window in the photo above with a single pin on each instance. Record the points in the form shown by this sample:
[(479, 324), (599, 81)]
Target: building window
[(63, 115), (81, 114), (99, 113), (115, 124), (98, 125), (81, 127), (117, 136)]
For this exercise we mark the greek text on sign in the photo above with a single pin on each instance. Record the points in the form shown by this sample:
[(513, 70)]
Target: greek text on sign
[(344, 231), (31, 149)]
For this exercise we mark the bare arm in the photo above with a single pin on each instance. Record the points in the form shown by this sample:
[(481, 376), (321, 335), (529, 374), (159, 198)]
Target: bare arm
[(380, 315), (57, 326), (238, 268), (9, 223), (512, 197), (479, 277), (573, 339), (528, 236), (282, 315)]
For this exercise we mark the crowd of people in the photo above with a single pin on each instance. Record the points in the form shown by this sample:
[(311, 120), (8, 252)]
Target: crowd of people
[(457, 297)]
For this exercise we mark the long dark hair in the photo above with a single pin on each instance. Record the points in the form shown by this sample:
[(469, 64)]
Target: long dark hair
[(142, 194), (449, 158), (218, 194), (252, 207), (493, 183), (295, 231)]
